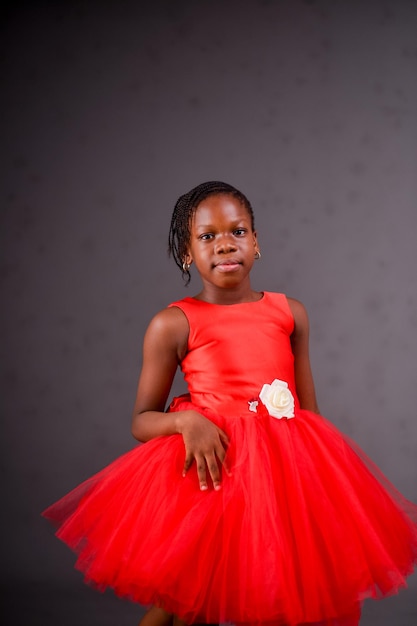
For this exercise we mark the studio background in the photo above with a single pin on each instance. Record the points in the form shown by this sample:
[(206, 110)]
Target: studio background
[(111, 110)]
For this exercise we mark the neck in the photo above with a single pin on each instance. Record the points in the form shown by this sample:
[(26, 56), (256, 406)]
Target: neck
[(236, 295)]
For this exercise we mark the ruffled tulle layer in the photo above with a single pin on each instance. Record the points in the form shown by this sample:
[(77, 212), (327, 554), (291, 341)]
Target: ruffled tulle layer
[(304, 529)]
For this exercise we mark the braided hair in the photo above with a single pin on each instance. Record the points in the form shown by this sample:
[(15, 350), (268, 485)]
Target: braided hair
[(186, 206)]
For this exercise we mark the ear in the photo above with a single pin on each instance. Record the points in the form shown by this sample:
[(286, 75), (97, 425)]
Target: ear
[(188, 258), (255, 241)]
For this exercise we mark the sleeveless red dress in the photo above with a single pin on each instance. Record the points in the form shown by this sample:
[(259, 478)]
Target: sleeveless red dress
[(304, 529)]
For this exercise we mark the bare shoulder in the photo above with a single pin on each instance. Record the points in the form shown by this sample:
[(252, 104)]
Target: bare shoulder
[(168, 320), (169, 328), (300, 315)]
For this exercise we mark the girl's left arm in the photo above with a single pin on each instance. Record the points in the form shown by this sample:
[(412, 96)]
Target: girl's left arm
[(300, 346)]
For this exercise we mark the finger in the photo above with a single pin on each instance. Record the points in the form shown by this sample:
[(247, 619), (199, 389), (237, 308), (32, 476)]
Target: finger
[(201, 473), (187, 464), (224, 438), (222, 456), (214, 471)]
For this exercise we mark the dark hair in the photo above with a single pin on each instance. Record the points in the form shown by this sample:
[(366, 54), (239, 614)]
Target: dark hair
[(180, 232)]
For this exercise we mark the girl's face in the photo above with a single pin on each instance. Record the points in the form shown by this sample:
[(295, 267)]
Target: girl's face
[(222, 243)]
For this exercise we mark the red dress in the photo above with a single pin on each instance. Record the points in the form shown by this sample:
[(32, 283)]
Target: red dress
[(304, 529)]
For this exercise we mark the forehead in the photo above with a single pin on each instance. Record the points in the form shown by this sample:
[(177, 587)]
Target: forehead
[(220, 208)]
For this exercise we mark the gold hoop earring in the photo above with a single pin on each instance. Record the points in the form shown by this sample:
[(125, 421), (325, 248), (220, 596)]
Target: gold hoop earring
[(257, 255)]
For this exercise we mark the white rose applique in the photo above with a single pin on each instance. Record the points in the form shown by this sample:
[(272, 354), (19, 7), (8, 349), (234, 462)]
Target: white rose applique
[(278, 399)]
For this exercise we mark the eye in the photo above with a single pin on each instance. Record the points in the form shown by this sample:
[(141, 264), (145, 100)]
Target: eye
[(239, 232), (206, 236)]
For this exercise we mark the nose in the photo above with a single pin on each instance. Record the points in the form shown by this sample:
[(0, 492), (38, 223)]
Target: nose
[(225, 244)]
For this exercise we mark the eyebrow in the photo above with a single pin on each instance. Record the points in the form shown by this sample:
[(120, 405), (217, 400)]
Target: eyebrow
[(211, 226)]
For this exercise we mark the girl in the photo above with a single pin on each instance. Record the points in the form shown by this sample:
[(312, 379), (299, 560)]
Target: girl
[(244, 505)]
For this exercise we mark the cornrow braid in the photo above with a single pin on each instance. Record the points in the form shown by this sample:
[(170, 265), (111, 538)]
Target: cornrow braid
[(180, 229)]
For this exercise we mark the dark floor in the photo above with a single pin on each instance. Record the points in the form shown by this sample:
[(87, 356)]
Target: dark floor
[(49, 605)]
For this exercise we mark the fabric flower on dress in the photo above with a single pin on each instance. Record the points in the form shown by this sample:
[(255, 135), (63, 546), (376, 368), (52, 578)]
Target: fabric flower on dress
[(278, 399)]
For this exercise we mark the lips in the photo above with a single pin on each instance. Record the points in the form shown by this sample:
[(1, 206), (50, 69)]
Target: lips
[(228, 265)]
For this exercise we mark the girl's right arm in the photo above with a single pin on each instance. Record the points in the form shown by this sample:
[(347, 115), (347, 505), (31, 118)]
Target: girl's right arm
[(164, 347)]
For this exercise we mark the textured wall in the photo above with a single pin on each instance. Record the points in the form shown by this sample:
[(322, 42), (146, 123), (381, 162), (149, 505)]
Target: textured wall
[(112, 110)]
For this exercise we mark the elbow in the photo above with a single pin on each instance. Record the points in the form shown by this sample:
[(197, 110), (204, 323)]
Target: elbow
[(137, 428)]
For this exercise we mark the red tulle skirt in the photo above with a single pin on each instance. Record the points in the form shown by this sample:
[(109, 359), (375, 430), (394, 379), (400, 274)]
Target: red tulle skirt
[(304, 529)]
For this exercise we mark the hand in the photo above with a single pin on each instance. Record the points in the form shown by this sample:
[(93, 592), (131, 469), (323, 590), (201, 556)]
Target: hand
[(205, 443)]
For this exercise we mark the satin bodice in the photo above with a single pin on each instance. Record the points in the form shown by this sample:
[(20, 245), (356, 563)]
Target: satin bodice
[(233, 350)]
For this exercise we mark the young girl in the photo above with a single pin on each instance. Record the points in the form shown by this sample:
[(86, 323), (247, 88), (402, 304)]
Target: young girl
[(244, 504)]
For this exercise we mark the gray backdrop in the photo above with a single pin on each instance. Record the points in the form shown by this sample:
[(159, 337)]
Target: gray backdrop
[(111, 110)]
